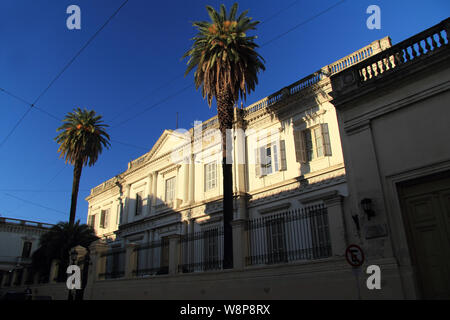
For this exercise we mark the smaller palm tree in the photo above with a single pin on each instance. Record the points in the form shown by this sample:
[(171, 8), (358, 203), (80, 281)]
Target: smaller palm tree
[(81, 140), (56, 244)]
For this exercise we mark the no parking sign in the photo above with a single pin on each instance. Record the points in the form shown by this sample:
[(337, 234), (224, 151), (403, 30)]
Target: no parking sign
[(354, 255)]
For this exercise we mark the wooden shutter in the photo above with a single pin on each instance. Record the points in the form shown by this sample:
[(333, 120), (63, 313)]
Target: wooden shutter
[(326, 140), (300, 146), (257, 162), (282, 155), (102, 219), (106, 218)]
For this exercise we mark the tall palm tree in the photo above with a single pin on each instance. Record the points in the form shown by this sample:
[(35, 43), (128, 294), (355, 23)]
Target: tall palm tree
[(227, 66), (56, 244), (81, 140)]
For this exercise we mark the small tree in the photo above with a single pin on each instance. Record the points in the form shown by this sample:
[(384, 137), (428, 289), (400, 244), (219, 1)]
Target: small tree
[(56, 244)]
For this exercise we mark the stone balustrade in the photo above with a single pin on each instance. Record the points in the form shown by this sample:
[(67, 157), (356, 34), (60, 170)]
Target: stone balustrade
[(415, 48), (25, 222)]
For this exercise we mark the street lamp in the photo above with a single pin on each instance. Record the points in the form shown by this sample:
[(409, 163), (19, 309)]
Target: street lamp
[(366, 205)]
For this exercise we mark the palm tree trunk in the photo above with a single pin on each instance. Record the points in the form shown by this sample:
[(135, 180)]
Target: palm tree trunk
[(75, 185), (225, 115)]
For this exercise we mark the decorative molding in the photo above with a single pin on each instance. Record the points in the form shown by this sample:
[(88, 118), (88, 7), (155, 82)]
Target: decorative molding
[(319, 196), (279, 207)]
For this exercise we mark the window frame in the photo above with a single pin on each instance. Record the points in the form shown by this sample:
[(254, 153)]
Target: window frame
[(172, 190), (104, 218), (28, 252), (276, 240), (277, 158), (210, 248), (139, 204), (209, 177), (92, 221), (308, 141)]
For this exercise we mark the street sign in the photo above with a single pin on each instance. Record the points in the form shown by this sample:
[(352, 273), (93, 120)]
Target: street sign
[(354, 255)]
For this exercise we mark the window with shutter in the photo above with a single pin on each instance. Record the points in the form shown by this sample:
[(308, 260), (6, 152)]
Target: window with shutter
[(308, 142), (326, 140), (270, 158), (106, 222), (104, 219), (170, 190), (26, 251), (318, 142), (276, 156), (266, 162), (300, 146), (138, 203), (92, 221), (210, 176), (282, 155)]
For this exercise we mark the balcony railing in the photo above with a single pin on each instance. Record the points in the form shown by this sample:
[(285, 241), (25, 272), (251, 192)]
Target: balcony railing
[(301, 234), (25, 222), (413, 49)]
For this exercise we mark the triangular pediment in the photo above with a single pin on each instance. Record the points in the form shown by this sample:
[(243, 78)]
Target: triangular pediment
[(167, 142)]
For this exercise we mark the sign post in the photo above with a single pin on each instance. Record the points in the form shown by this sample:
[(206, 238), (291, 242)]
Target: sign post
[(355, 257)]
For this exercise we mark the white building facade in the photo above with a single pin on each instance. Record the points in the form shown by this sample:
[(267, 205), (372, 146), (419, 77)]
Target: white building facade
[(288, 180)]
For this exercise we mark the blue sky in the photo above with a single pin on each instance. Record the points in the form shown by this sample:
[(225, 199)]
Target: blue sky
[(132, 71)]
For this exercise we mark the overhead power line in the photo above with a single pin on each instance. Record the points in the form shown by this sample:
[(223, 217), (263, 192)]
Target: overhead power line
[(153, 106), (57, 119), (303, 23), (61, 72), (36, 204)]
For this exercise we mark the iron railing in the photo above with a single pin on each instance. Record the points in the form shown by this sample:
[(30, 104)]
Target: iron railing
[(115, 264), (300, 234), (202, 251), (152, 258)]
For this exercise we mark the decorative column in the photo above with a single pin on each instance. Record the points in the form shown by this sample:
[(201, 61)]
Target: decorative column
[(149, 194), (119, 210), (186, 182), (192, 180), (154, 190), (130, 260), (177, 188), (174, 253), (239, 243), (127, 204), (336, 224)]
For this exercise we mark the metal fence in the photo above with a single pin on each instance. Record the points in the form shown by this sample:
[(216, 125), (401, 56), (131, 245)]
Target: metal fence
[(202, 251), (152, 258), (301, 234), (115, 264)]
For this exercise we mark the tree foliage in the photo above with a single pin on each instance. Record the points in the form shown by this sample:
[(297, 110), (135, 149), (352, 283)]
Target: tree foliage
[(224, 54)]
